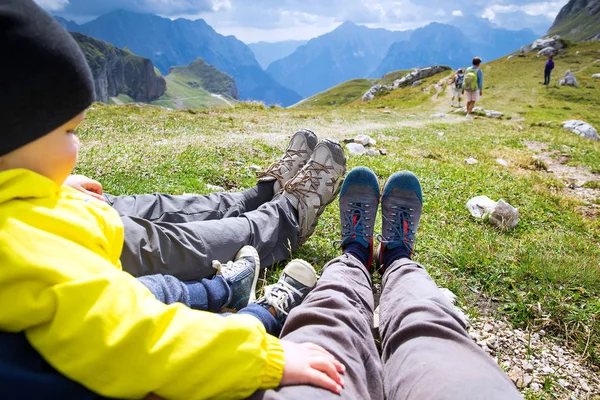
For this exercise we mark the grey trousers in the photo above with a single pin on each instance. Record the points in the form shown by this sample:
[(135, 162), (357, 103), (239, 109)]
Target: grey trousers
[(182, 235), (427, 353)]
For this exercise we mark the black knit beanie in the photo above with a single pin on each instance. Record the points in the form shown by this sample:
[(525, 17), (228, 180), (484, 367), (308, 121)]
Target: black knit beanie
[(44, 78)]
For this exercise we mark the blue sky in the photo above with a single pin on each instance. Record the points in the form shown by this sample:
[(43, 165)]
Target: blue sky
[(275, 20)]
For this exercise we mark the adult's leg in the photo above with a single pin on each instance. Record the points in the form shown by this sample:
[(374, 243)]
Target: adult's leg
[(186, 250), (427, 352), (179, 209), (337, 315)]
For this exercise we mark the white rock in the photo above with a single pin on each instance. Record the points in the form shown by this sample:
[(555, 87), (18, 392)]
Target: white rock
[(568, 80), (440, 133), (215, 188), (596, 76), (548, 370), (547, 42), (582, 129), (363, 139), (493, 114), (547, 51), (480, 206), (372, 142), (439, 115), (509, 57), (416, 83), (356, 149), (502, 162), (471, 161), (504, 215), (584, 384), (373, 152)]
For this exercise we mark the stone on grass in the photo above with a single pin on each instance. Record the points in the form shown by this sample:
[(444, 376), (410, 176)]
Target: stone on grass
[(356, 149), (215, 188), (471, 161), (363, 139), (438, 115), (373, 152), (255, 168), (582, 129), (500, 214), (568, 80), (383, 152), (493, 114), (416, 83), (596, 76), (545, 42), (502, 162), (441, 133), (504, 215), (480, 206), (547, 51)]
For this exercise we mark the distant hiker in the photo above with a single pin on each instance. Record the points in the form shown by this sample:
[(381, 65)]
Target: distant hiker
[(473, 85), (73, 324), (548, 70), (457, 82)]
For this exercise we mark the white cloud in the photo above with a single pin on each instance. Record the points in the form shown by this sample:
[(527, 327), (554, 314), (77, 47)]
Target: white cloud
[(457, 13), (52, 5)]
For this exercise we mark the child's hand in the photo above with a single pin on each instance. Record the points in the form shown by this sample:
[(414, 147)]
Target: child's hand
[(310, 364), (85, 185)]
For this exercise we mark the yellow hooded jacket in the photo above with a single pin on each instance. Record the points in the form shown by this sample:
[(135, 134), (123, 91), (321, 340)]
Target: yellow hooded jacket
[(61, 283)]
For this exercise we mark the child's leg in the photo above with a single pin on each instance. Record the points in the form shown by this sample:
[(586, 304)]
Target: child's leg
[(187, 250), (427, 352), (296, 281), (232, 288)]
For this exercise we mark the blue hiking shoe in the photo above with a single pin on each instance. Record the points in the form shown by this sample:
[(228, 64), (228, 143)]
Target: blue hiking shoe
[(296, 281), (359, 199), (241, 276), (401, 207)]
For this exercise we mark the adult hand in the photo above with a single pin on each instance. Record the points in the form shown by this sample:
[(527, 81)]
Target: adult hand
[(85, 185), (310, 364)]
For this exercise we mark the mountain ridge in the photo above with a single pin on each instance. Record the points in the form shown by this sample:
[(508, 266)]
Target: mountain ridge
[(578, 20), (179, 42)]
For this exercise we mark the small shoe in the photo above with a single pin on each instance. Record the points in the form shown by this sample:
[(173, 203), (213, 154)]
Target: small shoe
[(296, 281), (452, 104), (459, 106), (301, 146), (359, 199), (469, 116), (401, 206), (316, 185), (241, 277)]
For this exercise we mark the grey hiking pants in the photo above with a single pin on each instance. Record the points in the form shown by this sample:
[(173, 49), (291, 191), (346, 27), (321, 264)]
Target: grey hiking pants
[(182, 235), (427, 353)]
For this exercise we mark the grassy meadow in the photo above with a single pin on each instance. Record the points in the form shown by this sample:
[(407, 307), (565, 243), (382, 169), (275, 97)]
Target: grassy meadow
[(544, 274)]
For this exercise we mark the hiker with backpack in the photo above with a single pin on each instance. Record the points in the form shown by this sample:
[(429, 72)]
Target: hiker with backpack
[(457, 82), (473, 85), (548, 70)]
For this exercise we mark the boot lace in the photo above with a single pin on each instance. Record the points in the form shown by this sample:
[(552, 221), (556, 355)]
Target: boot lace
[(401, 227)]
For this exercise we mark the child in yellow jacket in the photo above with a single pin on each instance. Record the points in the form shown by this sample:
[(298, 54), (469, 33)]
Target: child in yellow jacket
[(61, 282)]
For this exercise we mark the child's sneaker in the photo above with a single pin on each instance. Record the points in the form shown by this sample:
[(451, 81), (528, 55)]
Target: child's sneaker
[(241, 276), (296, 281), (401, 206), (316, 185), (359, 199), (301, 146)]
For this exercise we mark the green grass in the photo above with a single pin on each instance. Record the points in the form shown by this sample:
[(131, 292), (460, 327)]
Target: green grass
[(181, 94), (543, 274), (339, 95)]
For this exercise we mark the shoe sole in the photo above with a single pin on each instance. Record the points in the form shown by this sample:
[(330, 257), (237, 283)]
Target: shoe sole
[(254, 254)]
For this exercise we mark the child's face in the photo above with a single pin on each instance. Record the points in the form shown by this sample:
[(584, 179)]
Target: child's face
[(53, 155)]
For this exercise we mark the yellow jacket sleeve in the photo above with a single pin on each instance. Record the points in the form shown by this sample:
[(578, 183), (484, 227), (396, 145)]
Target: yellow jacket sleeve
[(61, 283)]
